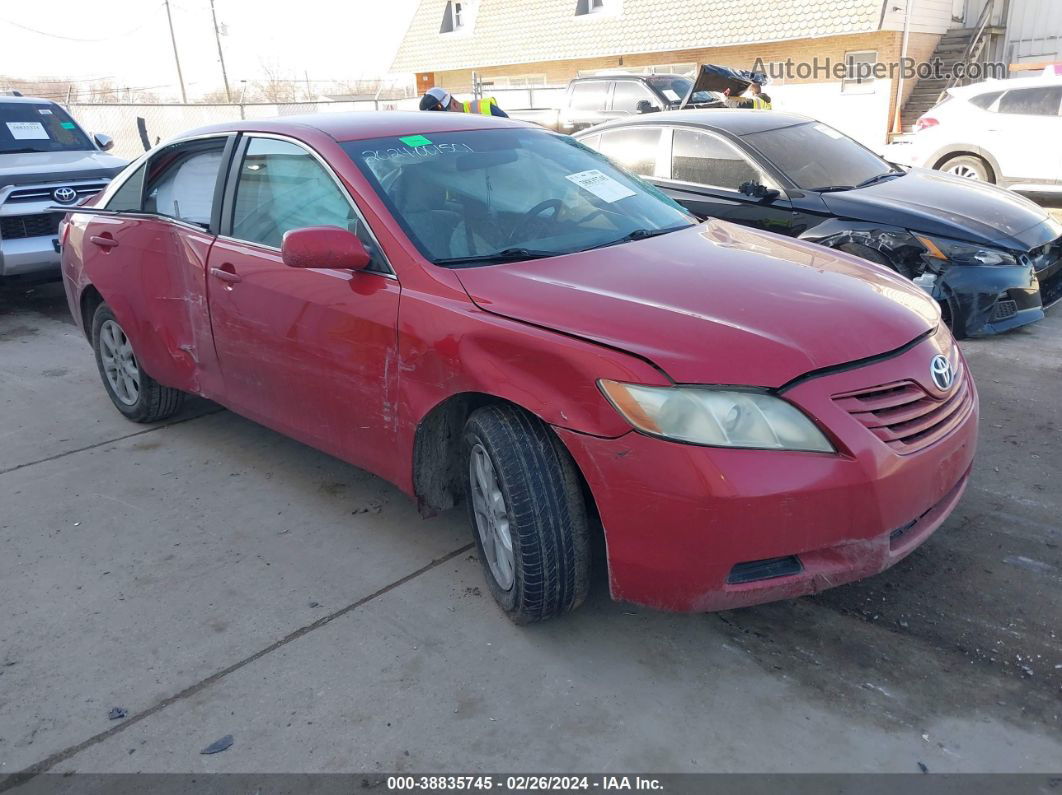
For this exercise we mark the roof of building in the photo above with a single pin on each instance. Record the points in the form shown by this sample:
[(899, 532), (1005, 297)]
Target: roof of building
[(525, 31)]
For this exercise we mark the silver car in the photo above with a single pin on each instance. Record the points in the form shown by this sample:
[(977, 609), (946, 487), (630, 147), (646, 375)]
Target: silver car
[(46, 160)]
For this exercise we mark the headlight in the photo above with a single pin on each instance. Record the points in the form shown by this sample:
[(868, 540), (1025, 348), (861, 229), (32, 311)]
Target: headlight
[(939, 248), (717, 417)]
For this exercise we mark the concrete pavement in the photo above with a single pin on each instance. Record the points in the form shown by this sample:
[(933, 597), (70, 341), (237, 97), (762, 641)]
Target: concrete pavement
[(213, 577)]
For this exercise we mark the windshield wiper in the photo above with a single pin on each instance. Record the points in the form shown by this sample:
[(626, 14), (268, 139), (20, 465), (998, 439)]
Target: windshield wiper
[(879, 178), (639, 234), (26, 150), (832, 188), (505, 255)]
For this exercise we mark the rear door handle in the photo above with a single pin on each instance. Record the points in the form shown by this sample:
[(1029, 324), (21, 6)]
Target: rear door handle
[(226, 276), (104, 242)]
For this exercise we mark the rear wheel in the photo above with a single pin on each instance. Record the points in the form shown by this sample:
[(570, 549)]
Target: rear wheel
[(528, 513), (968, 167), (132, 391)]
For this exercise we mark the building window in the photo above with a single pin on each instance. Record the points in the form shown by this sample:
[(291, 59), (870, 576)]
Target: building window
[(859, 72), (584, 7), (457, 16)]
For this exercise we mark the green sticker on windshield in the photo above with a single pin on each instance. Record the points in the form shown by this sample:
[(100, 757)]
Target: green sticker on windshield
[(415, 140), (68, 125)]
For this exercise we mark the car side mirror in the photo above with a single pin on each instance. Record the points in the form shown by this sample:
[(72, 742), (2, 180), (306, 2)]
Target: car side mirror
[(758, 191), (323, 247), (103, 141), (645, 106)]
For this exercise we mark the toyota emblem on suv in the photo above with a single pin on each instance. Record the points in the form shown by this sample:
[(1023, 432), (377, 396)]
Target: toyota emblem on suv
[(64, 195), (941, 372)]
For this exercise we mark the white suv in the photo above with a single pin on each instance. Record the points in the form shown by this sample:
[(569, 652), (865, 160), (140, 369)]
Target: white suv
[(1002, 131)]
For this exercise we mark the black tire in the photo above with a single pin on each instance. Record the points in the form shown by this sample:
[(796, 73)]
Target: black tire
[(547, 516), (953, 319), (970, 167), (153, 401)]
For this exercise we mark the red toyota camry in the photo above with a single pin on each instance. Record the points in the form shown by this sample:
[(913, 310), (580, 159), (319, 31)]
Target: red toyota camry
[(480, 310)]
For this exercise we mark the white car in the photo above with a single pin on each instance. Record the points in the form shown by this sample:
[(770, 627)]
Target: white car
[(1002, 131)]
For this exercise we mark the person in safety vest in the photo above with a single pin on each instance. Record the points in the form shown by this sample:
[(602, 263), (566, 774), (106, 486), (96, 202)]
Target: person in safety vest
[(440, 99), (752, 98)]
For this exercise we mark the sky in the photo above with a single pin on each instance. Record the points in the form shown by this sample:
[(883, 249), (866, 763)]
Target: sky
[(128, 41)]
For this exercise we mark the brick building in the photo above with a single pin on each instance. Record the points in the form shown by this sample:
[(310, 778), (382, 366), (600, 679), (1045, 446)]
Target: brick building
[(518, 43)]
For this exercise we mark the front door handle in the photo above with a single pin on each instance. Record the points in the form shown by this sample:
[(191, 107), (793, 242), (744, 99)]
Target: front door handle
[(104, 241), (226, 275)]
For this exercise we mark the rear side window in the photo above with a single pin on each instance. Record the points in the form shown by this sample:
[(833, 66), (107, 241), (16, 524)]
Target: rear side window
[(984, 101), (1032, 101), (130, 197), (706, 159), (181, 180), (634, 148), (628, 94), (589, 96)]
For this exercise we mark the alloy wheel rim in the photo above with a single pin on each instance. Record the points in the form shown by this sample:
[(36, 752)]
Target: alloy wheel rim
[(966, 172), (492, 518), (119, 363)]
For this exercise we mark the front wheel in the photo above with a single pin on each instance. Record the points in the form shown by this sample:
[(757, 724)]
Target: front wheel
[(528, 513), (132, 391)]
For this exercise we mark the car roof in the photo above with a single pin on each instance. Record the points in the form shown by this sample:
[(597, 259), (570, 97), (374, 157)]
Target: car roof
[(737, 121), (625, 76), (26, 100), (358, 125)]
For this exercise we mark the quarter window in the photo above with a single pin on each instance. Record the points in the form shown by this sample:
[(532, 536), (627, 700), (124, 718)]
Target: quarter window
[(706, 159), (635, 148), (984, 101), (1032, 101), (181, 180), (281, 186), (130, 197)]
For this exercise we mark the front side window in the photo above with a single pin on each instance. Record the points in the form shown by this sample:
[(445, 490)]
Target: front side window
[(463, 197), (589, 96), (180, 180), (634, 148), (27, 127), (281, 186), (1032, 101), (627, 95), (706, 159), (815, 156)]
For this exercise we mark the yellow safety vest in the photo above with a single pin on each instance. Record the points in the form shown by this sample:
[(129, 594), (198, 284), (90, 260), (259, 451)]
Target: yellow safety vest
[(480, 106), (760, 104)]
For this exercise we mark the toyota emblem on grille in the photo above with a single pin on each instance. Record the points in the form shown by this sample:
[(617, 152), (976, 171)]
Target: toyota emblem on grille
[(64, 195), (941, 372)]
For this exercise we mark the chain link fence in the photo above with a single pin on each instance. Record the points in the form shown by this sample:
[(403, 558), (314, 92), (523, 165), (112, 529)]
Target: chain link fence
[(136, 128)]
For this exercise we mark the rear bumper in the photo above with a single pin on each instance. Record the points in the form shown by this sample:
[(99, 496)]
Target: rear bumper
[(679, 518)]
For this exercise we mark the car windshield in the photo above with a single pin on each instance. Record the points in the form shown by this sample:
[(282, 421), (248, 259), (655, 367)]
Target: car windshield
[(674, 89), (478, 196), (817, 157), (30, 127)]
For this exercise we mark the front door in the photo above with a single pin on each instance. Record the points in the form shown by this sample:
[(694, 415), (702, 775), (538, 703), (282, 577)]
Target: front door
[(307, 351)]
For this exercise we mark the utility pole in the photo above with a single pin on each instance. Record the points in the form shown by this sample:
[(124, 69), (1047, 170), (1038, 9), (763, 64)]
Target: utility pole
[(221, 57), (176, 58)]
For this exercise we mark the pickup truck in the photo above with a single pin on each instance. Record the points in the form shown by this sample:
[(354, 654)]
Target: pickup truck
[(595, 100), (46, 160)]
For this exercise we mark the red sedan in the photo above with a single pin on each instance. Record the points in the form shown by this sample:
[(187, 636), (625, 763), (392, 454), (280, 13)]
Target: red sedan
[(479, 310)]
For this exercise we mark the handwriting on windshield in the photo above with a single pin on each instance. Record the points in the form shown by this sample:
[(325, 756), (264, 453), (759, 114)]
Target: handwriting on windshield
[(413, 153)]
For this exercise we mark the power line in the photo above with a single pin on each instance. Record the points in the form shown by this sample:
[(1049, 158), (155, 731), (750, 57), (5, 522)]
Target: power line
[(143, 24)]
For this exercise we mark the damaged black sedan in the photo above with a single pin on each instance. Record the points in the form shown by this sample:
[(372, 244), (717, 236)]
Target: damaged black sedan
[(991, 258)]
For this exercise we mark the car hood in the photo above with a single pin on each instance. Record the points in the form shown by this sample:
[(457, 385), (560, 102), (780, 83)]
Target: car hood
[(33, 167), (720, 78), (717, 303), (941, 204)]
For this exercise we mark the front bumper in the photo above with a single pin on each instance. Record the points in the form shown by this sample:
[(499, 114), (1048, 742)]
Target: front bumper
[(681, 520), (29, 255), (987, 299)]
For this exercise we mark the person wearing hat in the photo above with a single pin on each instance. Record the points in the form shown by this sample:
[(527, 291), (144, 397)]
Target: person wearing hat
[(439, 98)]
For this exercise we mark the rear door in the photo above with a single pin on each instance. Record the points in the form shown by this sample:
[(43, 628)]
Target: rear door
[(704, 173), (1023, 132), (149, 260), (308, 351)]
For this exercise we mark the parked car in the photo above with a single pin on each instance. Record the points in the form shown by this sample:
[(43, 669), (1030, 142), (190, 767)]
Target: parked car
[(593, 100), (985, 254), (45, 159), (1000, 131), (475, 308)]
